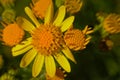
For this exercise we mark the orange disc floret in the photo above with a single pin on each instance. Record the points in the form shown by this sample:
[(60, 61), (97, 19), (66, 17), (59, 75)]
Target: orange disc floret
[(74, 39), (12, 34), (77, 39), (47, 39), (40, 7)]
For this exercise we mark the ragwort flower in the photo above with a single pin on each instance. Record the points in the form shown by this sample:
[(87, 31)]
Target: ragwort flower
[(8, 15), (46, 42), (7, 3), (39, 7), (73, 6), (112, 23), (12, 34), (76, 39), (7, 76)]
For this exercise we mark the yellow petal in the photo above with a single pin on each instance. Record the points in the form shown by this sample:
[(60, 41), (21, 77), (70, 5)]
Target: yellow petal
[(67, 23), (60, 16), (88, 38), (28, 57), (61, 59), (50, 65), (89, 32), (37, 65), (22, 47), (25, 24), (68, 54), (31, 15), (49, 14), (85, 29)]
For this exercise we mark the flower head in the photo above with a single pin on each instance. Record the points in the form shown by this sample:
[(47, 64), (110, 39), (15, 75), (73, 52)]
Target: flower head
[(73, 6), (46, 43), (7, 3), (76, 39), (8, 16), (12, 34), (7, 76), (49, 38), (40, 7), (112, 23)]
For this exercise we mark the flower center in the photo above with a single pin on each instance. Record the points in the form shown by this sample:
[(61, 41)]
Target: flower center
[(47, 39), (12, 34), (74, 39)]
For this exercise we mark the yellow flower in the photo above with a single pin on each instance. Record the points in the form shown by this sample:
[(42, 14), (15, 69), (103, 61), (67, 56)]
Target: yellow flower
[(112, 23), (7, 76), (8, 16), (7, 3), (12, 34), (39, 7), (59, 75), (76, 39), (73, 6), (46, 42)]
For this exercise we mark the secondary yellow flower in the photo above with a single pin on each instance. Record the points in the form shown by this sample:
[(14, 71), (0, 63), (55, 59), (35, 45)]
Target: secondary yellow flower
[(12, 34), (112, 23), (8, 16), (7, 76), (40, 7), (7, 3), (73, 6), (46, 42), (76, 39)]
